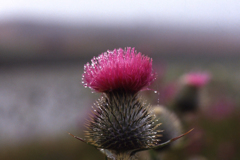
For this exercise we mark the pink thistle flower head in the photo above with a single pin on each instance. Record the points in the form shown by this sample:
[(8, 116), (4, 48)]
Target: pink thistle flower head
[(196, 79), (119, 70)]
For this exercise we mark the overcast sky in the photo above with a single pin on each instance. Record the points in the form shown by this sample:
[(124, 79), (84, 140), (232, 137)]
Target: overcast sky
[(200, 12)]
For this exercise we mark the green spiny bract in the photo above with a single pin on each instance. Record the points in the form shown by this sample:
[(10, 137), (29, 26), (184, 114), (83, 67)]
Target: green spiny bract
[(122, 122)]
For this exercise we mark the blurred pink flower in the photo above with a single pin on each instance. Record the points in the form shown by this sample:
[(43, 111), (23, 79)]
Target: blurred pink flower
[(119, 70), (221, 109), (196, 79)]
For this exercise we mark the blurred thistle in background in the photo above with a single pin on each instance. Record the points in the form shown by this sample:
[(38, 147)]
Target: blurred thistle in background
[(188, 99), (171, 126)]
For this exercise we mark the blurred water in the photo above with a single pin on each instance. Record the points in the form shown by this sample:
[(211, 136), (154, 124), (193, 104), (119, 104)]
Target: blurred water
[(40, 101)]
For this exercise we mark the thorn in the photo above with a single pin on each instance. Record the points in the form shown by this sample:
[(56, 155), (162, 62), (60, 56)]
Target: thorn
[(174, 139), (171, 140), (71, 134), (77, 137)]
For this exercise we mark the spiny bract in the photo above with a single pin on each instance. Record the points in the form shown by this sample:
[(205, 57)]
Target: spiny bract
[(122, 122)]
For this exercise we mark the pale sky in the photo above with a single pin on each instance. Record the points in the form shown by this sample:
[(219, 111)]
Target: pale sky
[(216, 12)]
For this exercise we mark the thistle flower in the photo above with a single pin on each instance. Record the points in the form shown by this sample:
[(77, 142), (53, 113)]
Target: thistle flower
[(187, 99), (122, 123), (119, 70)]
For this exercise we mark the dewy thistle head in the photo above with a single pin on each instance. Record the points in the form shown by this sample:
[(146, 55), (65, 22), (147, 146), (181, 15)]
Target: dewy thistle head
[(121, 121), (119, 70)]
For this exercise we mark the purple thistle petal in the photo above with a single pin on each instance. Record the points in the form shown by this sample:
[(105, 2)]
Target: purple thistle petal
[(119, 70), (196, 79)]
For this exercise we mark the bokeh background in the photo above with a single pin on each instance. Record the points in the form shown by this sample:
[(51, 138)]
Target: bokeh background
[(44, 45)]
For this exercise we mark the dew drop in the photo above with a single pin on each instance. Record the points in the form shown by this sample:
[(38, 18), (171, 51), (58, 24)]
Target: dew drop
[(158, 95)]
